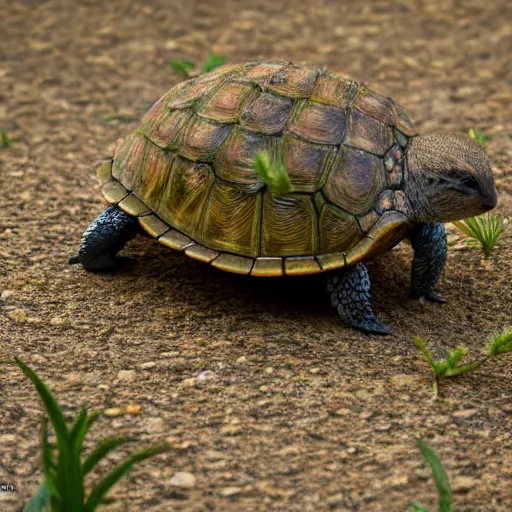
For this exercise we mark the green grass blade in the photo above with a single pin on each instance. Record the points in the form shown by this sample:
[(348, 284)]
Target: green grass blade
[(213, 61), (414, 507), (5, 141), (424, 350), (40, 501), (444, 490), (183, 67), (102, 451), (49, 468), (459, 370), (50, 404), (104, 486)]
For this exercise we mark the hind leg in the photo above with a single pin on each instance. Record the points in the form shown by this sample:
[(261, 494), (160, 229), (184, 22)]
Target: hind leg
[(350, 295), (104, 238)]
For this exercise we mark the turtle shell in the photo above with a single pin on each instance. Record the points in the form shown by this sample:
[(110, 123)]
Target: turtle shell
[(188, 173)]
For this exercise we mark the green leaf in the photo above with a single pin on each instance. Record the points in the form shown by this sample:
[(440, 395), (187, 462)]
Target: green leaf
[(49, 468), (183, 67), (444, 490), (50, 404), (273, 174), (479, 137), (413, 507), (40, 501), (213, 61), (104, 486), (424, 350), (101, 451), (501, 343), (5, 142)]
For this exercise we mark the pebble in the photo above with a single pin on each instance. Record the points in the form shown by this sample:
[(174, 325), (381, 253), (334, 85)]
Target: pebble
[(241, 360), (465, 413), (314, 371), (183, 479), (7, 439), (147, 366), (58, 320), (127, 375), (382, 426), (335, 499), (113, 412), (230, 491), (206, 375), (342, 412), (18, 315), (155, 425), (133, 409), (463, 483), (6, 297)]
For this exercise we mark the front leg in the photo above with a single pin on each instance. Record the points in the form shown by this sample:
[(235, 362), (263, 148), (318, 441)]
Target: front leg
[(429, 244)]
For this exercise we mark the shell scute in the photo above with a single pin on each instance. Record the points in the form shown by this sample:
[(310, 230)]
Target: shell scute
[(289, 226), (203, 139), (318, 123), (225, 104), (366, 133), (354, 180), (266, 113), (292, 81)]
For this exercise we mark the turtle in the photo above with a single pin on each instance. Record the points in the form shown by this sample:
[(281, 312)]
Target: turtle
[(361, 181)]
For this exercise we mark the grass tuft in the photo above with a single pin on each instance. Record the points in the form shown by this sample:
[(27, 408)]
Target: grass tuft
[(183, 67), (273, 174), (483, 231), (63, 488), (213, 61)]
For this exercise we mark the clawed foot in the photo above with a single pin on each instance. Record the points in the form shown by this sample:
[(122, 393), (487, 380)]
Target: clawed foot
[(431, 296)]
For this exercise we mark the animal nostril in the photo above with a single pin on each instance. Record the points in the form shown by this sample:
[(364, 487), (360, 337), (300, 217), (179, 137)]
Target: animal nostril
[(490, 205)]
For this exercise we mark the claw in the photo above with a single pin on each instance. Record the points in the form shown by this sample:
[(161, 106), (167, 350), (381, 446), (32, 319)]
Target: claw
[(435, 297)]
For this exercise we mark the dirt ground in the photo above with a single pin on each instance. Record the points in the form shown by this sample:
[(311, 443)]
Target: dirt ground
[(268, 399)]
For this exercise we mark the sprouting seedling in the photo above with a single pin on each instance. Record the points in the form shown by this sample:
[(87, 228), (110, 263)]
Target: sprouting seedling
[(64, 472), (444, 490), (213, 61), (273, 174), (5, 141), (483, 231), (479, 137), (183, 67), (501, 343)]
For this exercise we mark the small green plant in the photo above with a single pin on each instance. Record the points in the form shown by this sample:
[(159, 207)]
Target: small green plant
[(483, 231), (185, 67), (5, 141), (479, 137), (63, 489), (444, 490), (500, 343), (274, 175), (213, 61)]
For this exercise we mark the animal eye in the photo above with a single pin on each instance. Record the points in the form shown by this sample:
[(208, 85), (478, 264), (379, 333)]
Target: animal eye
[(470, 183)]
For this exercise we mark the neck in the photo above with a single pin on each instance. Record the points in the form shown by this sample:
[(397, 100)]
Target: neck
[(417, 206)]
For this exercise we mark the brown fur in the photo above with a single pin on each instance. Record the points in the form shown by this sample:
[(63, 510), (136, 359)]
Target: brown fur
[(438, 164)]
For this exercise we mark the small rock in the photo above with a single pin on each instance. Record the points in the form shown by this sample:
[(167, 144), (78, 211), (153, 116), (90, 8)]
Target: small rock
[(133, 409), (463, 483), (38, 358), (465, 413), (382, 426), (127, 375), (269, 370), (206, 375), (342, 412), (113, 412), (172, 335), (335, 499), (103, 387), (241, 360), (183, 479), (230, 491), (58, 320), (7, 439), (231, 430), (18, 315), (147, 366), (264, 389), (314, 371), (6, 297)]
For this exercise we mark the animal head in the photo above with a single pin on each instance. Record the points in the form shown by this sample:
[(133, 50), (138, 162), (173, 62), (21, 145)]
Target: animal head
[(450, 178)]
